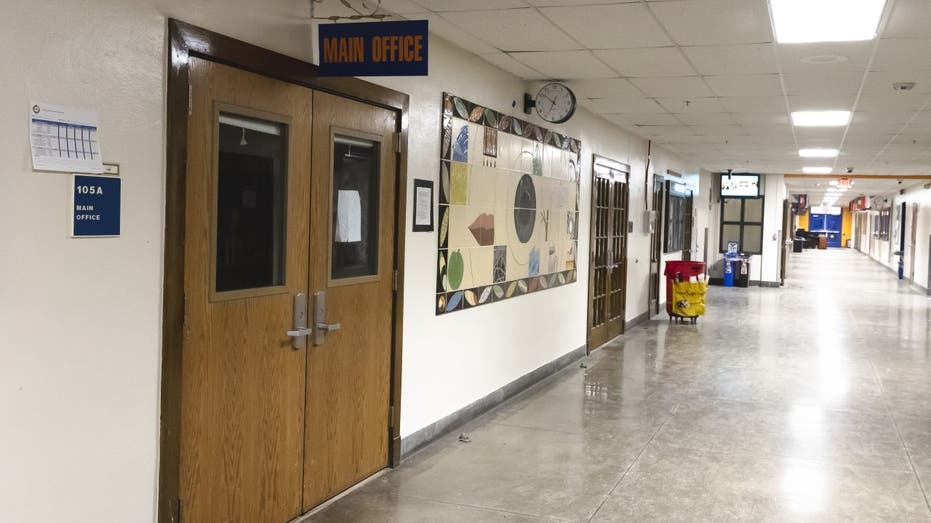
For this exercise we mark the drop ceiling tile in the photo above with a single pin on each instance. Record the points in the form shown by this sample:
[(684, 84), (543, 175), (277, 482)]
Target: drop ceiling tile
[(609, 26), (880, 82), (814, 84), (909, 19), (683, 87), (655, 61), (716, 130), (552, 3), (764, 129), (893, 102), (715, 22), (513, 29), (637, 120), (692, 105), (822, 101), (664, 130), (455, 34), (401, 7), (471, 5), (604, 88), (820, 134), (733, 59), (762, 118), (745, 85), (754, 104), (622, 106), (565, 64), (505, 62), (902, 55), (706, 118), (876, 119), (856, 55)]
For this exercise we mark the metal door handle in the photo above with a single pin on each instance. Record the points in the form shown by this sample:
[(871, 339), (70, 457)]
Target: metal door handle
[(327, 327), (301, 331), (322, 326)]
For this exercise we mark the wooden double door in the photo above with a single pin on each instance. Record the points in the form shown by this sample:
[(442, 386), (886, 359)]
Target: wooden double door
[(290, 199), (608, 266)]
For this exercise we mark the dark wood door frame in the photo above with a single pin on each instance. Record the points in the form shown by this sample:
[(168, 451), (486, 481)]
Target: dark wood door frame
[(620, 168), (186, 41)]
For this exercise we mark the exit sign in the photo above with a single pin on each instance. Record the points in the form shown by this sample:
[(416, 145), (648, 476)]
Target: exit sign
[(374, 49)]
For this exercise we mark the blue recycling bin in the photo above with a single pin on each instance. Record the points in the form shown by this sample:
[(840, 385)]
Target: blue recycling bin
[(728, 273)]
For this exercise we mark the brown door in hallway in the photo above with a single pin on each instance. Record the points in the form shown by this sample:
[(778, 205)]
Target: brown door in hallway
[(353, 231), (290, 194), (786, 240), (688, 223), (913, 242), (607, 281), (656, 244), (246, 257)]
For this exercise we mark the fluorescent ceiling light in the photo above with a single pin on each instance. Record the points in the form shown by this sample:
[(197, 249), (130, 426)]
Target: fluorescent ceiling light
[(820, 118), (817, 153), (805, 21), (816, 170)]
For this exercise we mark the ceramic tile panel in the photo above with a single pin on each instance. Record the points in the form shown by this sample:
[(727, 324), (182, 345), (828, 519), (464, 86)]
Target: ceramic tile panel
[(509, 205)]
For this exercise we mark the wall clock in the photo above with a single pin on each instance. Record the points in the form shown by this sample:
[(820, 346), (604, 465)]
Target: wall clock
[(554, 102)]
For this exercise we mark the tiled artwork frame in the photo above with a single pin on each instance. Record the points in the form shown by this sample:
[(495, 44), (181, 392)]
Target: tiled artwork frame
[(508, 216)]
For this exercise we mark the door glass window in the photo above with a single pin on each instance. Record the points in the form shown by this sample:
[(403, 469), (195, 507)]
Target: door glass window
[(250, 214), (355, 207)]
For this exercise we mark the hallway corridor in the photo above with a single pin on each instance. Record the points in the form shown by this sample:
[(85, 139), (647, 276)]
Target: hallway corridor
[(809, 403)]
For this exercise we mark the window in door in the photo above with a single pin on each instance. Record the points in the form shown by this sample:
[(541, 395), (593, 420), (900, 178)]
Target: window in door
[(355, 205), (742, 222), (251, 176)]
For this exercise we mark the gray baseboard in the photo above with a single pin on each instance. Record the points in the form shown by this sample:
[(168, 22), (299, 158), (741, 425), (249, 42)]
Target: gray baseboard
[(771, 284), (636, 321), (430, 433)]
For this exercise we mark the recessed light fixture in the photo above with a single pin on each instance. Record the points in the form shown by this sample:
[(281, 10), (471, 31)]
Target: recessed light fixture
[(806, 21), (817, 153), (820, 118), (824, 59), (816, 170)]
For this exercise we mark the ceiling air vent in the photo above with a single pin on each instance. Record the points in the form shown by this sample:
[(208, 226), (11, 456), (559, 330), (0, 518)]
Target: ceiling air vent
[(903, 86)]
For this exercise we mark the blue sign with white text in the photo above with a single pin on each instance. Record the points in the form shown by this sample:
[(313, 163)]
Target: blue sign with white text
[(374, 49), (96, 210)]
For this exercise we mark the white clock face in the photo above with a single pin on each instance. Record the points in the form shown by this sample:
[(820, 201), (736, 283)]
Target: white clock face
[(555, 103)]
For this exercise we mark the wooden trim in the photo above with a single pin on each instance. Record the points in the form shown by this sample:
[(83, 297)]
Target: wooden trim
[(186, 41)]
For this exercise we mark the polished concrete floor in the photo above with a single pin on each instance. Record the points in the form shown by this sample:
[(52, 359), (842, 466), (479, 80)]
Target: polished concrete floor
[(806, 403)]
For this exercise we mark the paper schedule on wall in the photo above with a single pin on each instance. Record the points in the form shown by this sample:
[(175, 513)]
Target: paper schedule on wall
[(348, 217), (64, 139)]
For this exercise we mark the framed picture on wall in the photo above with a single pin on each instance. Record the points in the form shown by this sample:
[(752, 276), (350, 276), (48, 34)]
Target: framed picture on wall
[(423, 205)]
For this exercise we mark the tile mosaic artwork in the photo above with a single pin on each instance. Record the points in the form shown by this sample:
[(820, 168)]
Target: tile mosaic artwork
[(508, 207)]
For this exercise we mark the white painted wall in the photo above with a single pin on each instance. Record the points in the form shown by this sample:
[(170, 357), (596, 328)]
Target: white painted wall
[(455, 359), (881, 251), (81, 319)]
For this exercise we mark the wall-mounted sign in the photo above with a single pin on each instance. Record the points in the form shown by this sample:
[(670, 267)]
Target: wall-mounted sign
[(374, 49), (96, 206), (64, 139)]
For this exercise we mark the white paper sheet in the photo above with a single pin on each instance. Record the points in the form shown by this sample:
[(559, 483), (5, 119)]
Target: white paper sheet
[(64, 139), (348, 217), (424, 206)]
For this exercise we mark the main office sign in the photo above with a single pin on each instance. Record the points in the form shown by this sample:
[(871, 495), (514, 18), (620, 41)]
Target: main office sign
[(374, 49)]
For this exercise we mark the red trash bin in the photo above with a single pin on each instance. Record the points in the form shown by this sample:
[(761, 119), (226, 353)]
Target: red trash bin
[(686, 269)]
